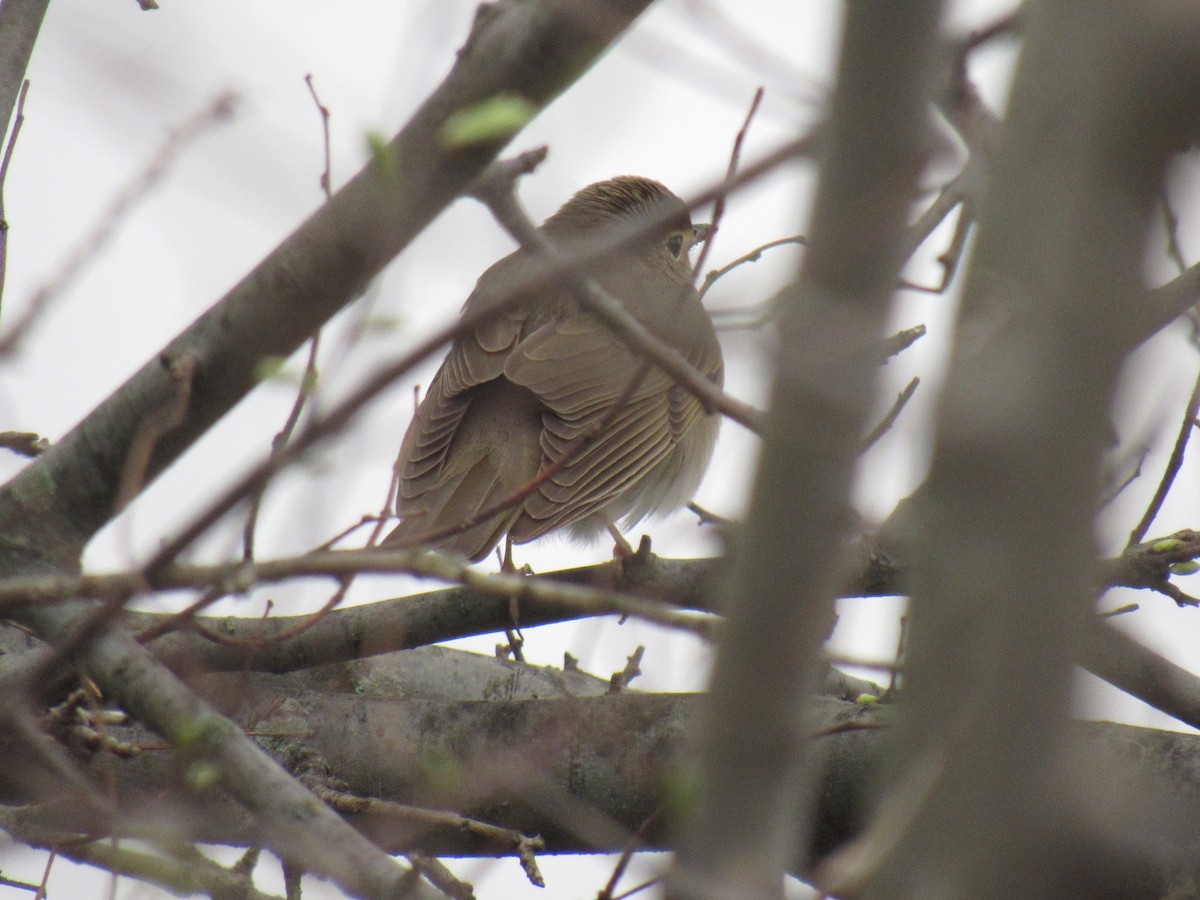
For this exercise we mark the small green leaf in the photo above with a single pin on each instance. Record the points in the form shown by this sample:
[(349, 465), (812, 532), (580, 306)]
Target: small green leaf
[(681, 785), (192, 734), (381, 151), (274, 369), (1187, 567), (382, 324), (494, 119), (268, 368), (442, 770), (202, 775), (1166, 545), (866, 699)]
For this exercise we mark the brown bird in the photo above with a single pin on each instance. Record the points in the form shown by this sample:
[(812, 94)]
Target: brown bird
[(517, 393)]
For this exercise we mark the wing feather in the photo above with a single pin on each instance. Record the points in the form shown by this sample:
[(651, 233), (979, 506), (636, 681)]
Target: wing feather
[(579, 371), (559, 372)]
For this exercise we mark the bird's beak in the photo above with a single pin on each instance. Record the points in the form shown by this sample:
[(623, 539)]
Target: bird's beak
[(700, 233)]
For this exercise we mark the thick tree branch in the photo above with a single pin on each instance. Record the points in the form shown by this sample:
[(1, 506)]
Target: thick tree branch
[(288, 643), (601, 765), (1004, 554), (787, 563)]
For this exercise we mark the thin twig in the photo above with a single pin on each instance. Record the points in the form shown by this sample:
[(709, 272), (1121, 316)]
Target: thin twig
[(901, 652), (1134, 474), (637, 889), (42, 890), (89, 249), (753, 256), (378, 521), (1181, 598), (636, 840), (339, 564), (735, 155), (949, 197), (187, 617), (18, 121), (1172, 469), (890, 419), (749, 49), (24, 443), (326, 180), (308, 380), (356, 805), (953, 254), (1005, 24), (618, 681), (1140, 567), (439, 875), (234, 577), (1120, 611), (707, 517), (901, 341), (1175, 251)]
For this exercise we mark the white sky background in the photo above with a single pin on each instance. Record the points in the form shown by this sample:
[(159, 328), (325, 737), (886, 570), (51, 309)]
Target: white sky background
[(109, 81)]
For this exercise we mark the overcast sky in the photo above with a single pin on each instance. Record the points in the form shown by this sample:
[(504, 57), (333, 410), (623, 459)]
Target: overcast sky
[(109, 82)]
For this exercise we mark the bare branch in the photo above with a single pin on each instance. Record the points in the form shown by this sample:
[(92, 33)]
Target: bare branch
[(14, 133), (89, 248), (786, 568), (1004, 527), (1173, 465), (326, 179), (893, 414), (753, 256), (735, 155), (20, 22), (24, 443)]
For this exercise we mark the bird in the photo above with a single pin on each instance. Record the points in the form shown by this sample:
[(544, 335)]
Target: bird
[(545, 380)]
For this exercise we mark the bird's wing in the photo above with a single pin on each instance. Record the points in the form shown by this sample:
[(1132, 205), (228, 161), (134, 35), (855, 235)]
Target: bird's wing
[(475, 358), (684, 409), (580, 371), (445, 477)]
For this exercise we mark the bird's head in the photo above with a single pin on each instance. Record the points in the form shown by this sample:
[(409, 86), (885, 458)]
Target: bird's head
[(608, 209)]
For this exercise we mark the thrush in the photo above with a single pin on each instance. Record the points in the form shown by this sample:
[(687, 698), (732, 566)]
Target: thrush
[(544, 381)]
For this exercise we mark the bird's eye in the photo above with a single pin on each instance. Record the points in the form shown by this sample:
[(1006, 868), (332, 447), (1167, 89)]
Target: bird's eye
[(675, 245)]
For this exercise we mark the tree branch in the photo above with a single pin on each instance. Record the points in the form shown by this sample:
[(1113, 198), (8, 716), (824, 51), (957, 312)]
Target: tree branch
[(20, 22), (787, 562), (629, 746), (1003, 548)]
